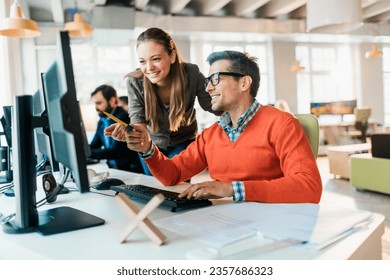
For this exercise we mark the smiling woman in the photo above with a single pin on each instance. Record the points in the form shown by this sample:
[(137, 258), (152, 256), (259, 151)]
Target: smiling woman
[(162, 93)]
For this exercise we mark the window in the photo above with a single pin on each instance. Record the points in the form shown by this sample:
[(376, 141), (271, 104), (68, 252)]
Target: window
[(3, 76), (96, 65), (386, 83), (256, 50), (328, 75)]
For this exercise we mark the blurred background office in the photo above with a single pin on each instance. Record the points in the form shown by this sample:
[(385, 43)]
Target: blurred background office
[(335, 67), (301, 60)]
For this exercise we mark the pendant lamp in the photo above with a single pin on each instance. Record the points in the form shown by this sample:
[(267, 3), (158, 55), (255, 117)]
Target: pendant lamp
[(333, 16), (375, 52), (297, 67), (18, 26), (78, 27)]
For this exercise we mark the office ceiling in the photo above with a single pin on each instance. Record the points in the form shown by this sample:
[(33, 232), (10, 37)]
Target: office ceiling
[(46, 10), (202, 17)]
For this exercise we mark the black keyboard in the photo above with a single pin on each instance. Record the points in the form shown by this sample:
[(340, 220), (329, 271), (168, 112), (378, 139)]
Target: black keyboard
[(171, 200)]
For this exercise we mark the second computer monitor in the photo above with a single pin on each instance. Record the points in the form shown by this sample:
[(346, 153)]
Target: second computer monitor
[(63, 114)]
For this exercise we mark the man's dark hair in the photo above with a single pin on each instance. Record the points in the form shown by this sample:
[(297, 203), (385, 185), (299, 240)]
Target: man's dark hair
[(107, 91), (240, 63), (124, 99)]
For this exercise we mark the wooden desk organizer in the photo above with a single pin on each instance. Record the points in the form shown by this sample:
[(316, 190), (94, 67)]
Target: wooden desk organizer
[(140, 219)]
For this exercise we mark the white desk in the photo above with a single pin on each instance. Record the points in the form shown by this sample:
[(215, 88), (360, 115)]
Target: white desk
[(101, 242), (335, 133)]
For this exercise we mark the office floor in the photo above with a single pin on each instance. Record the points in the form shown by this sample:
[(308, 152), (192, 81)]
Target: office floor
[(373, 202)]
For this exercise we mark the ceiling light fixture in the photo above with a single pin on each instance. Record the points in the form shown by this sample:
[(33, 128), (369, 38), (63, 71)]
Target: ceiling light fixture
[(375, 52), (78, 27), (17, 25), (333, 16), (297, 67)]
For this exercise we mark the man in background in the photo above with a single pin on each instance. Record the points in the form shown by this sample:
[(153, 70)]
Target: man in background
[(124, 102), (117, 154)]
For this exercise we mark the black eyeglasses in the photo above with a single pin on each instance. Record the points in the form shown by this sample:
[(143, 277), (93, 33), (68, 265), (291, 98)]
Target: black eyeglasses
[(214, 78)]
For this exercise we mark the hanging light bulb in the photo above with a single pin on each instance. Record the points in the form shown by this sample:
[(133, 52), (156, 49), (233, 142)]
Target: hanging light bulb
[(297, 67), (18, 26), (78, 27), (375, 52)]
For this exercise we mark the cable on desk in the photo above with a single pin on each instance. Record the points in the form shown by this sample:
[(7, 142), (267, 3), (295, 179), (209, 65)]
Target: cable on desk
[(101, 193), (6, 219), (5, 188), (41, 164), (38, 167), (60, 186)]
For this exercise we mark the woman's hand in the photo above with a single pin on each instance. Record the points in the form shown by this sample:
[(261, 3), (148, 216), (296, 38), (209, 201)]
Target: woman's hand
[(138, 139), (208, 190)]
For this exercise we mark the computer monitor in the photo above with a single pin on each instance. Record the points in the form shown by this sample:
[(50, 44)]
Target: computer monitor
[(64, 115), (66, 134), (42, 134), (341, 108), (6, 162), (87, 148), (6, 122)]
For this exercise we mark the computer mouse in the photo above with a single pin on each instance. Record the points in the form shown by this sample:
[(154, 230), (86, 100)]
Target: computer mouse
[(108, 183)]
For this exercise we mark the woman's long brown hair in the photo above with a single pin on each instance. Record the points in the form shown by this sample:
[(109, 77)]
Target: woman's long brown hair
[(177, 79)]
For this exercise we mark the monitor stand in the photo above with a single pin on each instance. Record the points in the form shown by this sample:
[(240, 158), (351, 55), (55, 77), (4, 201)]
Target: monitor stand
[(57, 220), (64, 219)]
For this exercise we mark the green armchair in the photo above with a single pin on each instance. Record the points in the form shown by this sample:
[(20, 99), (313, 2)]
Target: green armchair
[(310, 125), (370, 173)]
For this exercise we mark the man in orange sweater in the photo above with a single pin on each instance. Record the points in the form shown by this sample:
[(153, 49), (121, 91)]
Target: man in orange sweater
[(253, 153)]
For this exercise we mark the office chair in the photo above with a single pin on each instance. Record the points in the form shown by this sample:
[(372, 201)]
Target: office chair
[(310, 125), (361, 123)]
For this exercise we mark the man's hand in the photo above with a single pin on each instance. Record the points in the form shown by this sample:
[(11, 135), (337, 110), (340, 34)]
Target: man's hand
[(137, 139), (209, 189)]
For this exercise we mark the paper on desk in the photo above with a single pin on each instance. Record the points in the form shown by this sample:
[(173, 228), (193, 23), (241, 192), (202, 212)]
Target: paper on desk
[(308, 222), (222, 225), (225, 224), (216, 227), (335, 221)]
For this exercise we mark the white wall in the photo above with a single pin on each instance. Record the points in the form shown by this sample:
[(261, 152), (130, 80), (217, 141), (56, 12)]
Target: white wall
[(371, 83), (285, 82)]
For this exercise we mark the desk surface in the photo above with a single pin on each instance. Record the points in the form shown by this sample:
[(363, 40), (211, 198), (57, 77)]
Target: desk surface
[(350, 148), (336, 133), (101, 242)]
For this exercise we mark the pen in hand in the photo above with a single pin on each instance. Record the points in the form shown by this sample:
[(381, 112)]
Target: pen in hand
[(128, 127)]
